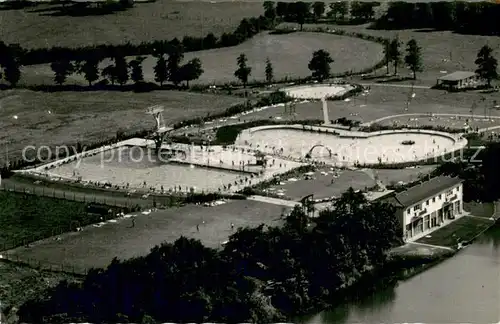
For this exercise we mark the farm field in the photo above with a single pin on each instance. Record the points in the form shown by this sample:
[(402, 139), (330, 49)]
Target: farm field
[(160, 20), (37, 118), (96, 247), (442, 51), (289, 54)]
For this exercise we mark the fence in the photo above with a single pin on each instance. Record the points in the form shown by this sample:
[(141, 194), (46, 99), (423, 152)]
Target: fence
[(45, 265), (109, 198)]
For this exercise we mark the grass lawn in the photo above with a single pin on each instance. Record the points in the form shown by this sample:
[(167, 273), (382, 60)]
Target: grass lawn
[(96, 247), (383, 101), (480, 209), (30, 217), (289, 54), (67, 117), (443, 51), (161, 20), (463, 229)]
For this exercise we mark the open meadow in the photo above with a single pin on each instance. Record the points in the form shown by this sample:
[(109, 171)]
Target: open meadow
[(161, 20), (96, 247), (289, 54), (442, 51), (50, 119)]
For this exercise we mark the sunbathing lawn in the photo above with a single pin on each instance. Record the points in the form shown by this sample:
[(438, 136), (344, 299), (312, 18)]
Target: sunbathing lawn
[(463, 229), (96, 247)]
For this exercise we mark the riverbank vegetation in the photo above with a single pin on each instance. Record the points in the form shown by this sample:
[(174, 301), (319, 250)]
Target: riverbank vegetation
[(262, 274)]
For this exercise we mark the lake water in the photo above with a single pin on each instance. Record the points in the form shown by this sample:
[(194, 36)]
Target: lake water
[(462, 289)]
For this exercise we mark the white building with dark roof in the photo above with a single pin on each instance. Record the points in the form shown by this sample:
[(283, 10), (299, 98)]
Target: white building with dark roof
[(425, 207)]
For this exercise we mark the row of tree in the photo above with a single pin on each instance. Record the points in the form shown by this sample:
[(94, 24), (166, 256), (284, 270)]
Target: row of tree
[(247, 28), (394, 55), (262, 274), (167, 68), (461, 16), (302, 12)]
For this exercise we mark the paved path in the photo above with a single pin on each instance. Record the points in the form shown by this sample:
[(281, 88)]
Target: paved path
[(433, 246), (394, 85), (274, 201), (484, 218)]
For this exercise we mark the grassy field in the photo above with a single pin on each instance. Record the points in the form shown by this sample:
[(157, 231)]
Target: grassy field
[(463, 229), (383, 101), (95, 247), (67, 117), (26, 217), (443, 51), (289, 54), (163, 19), (485, 210)]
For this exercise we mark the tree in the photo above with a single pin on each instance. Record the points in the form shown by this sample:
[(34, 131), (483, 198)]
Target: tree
[(486, 64), (243, 71), (12, 71), (160, 70), (9, 60), (281, 9), (90, 69), (413, 57), (320, 65), (121, 69), (136, 73), (61, 70), (339, 8), (269, 10), (192, 70), (174, 60), (302, 10), (387, 53), (318, 9), (395, 53), (109, 73), (269, 71)]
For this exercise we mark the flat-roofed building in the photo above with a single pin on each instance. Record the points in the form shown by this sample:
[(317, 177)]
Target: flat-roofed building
[(423, 208)]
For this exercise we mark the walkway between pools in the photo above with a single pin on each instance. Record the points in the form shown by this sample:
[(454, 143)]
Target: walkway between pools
[(392, 85), (274, 201), (434, 115)]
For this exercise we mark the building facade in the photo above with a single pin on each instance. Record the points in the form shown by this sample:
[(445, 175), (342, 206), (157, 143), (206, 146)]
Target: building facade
[(458, 80), (426, 207)]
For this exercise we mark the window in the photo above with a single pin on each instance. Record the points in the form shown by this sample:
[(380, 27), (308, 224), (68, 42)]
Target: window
[(458, 189), (409, 210), (427, 224), (427, 203), (434, 199), (417, 207), (440, 196)]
